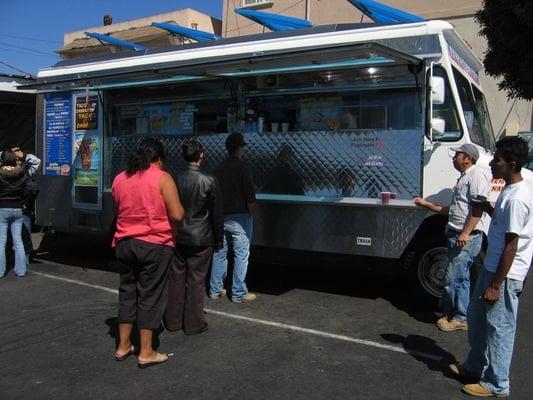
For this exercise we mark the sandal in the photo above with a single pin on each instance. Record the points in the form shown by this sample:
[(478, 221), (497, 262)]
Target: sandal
[(122, 357), (152, 363)]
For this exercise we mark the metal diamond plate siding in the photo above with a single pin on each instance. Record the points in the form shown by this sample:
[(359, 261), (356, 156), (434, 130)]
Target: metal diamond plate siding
[(331, 164)]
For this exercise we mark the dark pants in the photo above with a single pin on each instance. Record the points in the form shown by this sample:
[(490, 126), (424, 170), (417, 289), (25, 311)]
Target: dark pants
[(143, 282), (185, 307)]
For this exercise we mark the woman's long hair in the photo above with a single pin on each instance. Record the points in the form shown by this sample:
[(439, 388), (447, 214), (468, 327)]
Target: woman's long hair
[(147, 151)]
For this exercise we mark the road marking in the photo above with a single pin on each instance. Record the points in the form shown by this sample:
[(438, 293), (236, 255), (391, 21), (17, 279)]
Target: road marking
[(280, 325)]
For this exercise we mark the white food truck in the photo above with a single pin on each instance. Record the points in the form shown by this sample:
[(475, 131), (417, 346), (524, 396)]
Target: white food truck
[(345, 125)]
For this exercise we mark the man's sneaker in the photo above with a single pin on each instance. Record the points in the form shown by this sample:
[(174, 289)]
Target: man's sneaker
[(475, 389), (452, 325), (247, 298), (458, 371), (216, 296)]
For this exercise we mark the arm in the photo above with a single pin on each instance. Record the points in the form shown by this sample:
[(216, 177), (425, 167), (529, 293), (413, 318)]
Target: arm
[(32, 164), (442, 210), (249, 190), (470, 224), (171, 198), (217, 214), (492, 293)]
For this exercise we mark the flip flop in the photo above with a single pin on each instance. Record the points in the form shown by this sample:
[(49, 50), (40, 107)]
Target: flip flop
[(143, 365), (124, 356)]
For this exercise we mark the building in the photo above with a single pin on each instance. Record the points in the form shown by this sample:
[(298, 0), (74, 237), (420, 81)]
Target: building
[(17, 113), (77, 44), (508, 116)]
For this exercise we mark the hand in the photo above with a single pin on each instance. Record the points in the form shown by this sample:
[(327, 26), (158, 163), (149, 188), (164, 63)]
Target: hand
[(419, 201), (462, 240), (492, 294)]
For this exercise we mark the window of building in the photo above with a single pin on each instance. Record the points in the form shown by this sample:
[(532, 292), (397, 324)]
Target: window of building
[(254, 2)]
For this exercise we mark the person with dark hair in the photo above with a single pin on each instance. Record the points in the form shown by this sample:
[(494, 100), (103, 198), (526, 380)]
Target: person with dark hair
[(493, 310), (464, 234), (238, 193), (13, 181), (200, 232), (147, 204)]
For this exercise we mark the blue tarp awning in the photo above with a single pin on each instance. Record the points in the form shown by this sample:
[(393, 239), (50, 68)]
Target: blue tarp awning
[(115, 41), (274, 22), (384, 14), (199, 36)]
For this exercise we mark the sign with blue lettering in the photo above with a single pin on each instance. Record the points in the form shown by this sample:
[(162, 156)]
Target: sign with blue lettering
[(57, 134)]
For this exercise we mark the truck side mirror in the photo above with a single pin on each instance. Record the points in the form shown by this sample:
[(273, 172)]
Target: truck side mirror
[(437, 90), (438, 125)]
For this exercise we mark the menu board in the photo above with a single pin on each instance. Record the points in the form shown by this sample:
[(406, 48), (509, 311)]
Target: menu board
[(86, 113), (58, 134)]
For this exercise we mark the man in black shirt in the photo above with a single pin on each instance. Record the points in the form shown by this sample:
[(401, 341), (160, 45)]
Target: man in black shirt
[(238, 192), (200, 231)]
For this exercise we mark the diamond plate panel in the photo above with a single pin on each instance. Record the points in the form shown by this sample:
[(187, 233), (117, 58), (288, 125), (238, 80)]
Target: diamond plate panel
[(328, 163)]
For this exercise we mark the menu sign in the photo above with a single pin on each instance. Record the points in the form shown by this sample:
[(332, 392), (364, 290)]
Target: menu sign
[(86, 113), (58, 134)]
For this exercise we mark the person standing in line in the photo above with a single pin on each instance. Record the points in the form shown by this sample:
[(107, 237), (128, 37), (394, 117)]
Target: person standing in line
[(13, 182), (464, 234), (201, 230), (30, 164), (238, 194), (147, 204), (493, 311)]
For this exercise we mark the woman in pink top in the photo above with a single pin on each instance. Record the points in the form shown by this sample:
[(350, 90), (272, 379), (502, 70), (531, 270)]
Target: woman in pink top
[(147, 205)]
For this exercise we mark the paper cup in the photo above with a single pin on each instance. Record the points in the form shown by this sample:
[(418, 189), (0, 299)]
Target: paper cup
[(392, 195), (274, 127), (385, 197), (285, 127)]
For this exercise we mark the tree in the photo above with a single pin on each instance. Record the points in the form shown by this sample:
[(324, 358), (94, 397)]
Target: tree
[(508, 27)]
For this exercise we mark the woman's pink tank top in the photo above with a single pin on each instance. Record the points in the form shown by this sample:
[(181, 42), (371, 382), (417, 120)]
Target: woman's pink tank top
[(141, 212)]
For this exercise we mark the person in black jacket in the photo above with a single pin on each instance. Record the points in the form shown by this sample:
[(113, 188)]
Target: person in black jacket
[(13, 181), (199, 233)]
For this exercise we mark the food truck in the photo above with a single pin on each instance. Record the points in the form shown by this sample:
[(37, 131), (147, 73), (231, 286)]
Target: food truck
[(345, 124)]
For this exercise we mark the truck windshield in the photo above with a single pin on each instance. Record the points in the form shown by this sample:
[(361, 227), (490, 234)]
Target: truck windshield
[(475, 112)]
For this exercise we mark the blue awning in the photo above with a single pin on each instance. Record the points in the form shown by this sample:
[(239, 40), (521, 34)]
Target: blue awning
[(115, 41), (199, 36), (384, 14), (274, 22)]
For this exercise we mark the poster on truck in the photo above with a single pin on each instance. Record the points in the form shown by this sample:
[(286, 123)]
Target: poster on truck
[(58, 134), (87, 152)]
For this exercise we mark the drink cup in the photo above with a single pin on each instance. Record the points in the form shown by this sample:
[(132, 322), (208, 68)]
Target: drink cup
[(385, 197), (392, 195), (274, 127), (285, 127)]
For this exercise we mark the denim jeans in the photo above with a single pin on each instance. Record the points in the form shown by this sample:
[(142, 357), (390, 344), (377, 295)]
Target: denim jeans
[(491, 333), (13, 217), (237, 230), (456, 295), (26, 237)]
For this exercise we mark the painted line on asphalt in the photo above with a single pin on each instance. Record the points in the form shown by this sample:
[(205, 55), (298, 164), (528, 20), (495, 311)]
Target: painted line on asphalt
[(274, 324)]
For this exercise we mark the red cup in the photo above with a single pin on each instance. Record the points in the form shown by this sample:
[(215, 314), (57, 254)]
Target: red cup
[(392, 195), (385, 196)]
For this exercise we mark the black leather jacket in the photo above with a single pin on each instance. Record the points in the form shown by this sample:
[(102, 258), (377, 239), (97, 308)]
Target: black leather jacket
[(201, 198), (13, 181)]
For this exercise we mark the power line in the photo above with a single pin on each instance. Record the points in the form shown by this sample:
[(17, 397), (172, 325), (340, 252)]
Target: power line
[(25, 48), (30, 38), (15, 68), (28, 53)]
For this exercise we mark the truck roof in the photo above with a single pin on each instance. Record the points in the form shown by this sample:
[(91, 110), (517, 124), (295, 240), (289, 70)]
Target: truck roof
[(244, 46)]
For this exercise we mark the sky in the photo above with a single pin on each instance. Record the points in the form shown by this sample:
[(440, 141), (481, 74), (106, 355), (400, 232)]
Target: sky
[(30, 30)]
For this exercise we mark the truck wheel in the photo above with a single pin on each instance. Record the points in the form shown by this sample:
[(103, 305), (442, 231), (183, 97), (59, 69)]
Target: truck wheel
[(427, 271)]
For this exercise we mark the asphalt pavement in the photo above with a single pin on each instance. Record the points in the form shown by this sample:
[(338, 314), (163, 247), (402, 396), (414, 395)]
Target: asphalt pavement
[(319, 329)]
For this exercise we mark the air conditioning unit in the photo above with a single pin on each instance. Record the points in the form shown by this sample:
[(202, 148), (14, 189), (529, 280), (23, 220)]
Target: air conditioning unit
[(267, 82)]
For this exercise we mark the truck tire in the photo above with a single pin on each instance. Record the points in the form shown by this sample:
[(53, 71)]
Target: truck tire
[(427, 270)]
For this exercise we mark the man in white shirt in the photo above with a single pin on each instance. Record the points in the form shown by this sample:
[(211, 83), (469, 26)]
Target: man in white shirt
[(494, 307), (464, 235)]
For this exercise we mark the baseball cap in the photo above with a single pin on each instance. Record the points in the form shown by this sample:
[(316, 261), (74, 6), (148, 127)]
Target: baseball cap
[(468, 148), (234, 141)]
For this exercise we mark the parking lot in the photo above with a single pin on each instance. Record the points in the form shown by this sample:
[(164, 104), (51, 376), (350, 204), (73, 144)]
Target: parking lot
[(318, 330)]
